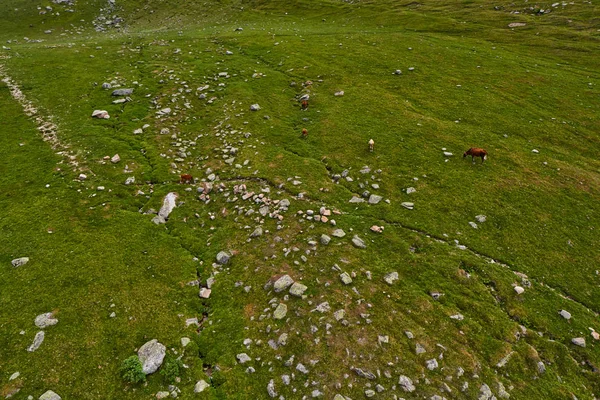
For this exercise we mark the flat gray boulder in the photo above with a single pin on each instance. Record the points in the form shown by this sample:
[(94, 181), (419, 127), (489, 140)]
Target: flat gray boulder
[(280, 312), (50, 395), (151, 355), (201, 385), (223, 257), (17, 262), (298, 289), (358, 242), (37, 341), (122, 92), (283, 283), (374, 199), (45, 320)]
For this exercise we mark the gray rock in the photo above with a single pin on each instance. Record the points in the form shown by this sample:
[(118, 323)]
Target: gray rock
[(254, 107), (369, 393), (480, 218), (130, 180), (282, 340), (151, 355), (565, 314), (338, 233), (115, 159), (406, 383), (431, 364), (14, 376), (346, 279), (410, 190), (339, 314), (325, 239), (243, 358), (338, 397), (283, 283), (358, 242), (391, 277), (502, 393), (185, 341), (223, 257), (17, 262), (200, 386), (374, 199), (37, 341), (271, 389), (280, 312), (408, 205), (323, 307), (100, 114), (162, 395), (364, 374), (285, 203), (485, 393), (419, 349), (106, 85), (50, 395), (122, 92), (579, 341), (45, 320), (541, 367), (300, 367), (297, 289), (257, 232), (169, 203), (356, 199)]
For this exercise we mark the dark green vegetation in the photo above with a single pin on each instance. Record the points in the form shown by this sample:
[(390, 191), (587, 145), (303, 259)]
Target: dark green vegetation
[(476, 82)]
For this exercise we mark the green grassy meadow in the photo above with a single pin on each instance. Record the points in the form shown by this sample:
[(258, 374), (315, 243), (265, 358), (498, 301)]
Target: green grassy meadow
[(467, 80)]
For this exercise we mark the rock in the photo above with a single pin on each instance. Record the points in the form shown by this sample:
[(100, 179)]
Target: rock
[(282, 283), (17, 262), (200, 386), (419, 349), (223, 257), (397, 72), (339, 315), (516, 24), (369, 393), (298, 289), (300, 367), (115, 159), (162, 395), (284, 204), (364, 374), (338, 233), (151, 355), (185, 341), (519, 289), (358, 242), (339, 94), (14, 376), (448, 154), (480, 218), (243, 358), (374, 199), (473, 225), (204, 293), (122, 92), (130, 180), (45, 320), (345, 278), (168, 205), (410, 190), (579, 341), (338, 397), (377, 229), (408, 205), (485, 393), (356, 199), (106, 85), (406, 383), (323, 307), (391, 277), (502, 393), (37, 341), (271, 389), (280, 312), (541, 367), (565, 314), (50, 395), (431, 364), (101, 114), (254, 107), (257, 232), (325, 239)]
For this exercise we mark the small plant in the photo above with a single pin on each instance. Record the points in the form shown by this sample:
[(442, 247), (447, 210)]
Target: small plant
[(131, 370), (171, 369)]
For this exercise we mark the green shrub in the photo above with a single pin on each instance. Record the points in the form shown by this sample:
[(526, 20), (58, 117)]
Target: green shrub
[(171, 369), (131, 370)]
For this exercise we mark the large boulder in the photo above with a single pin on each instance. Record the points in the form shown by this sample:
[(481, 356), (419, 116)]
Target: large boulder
[(50, 395), (45, 320), (223, 257), (151, 355)]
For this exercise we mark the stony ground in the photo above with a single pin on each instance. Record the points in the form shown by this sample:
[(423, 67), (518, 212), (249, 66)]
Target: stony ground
[(160, 199)]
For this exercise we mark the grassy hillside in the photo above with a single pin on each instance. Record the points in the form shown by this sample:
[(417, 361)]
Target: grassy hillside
[(451, 320)]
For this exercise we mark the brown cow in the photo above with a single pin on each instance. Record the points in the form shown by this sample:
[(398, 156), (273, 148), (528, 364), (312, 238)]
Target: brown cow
[(476, 152), (304, 133), (186, 178), (304, 104)]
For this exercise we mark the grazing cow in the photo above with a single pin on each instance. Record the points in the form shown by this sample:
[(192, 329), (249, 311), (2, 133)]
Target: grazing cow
[(304, 133), (304, 104), (476, 152), (371, 144), (186, 178)]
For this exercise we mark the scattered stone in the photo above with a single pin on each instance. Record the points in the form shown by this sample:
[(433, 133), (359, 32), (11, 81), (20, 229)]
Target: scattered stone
[(323, 307), (579, 341), (339, 315), (297, 289), (185, 341), (300, 367), (516, 24), (204, 293), (122, 92), (271, 389), (431, 364), (243, 358), (473, 224), (448, 154), (397, 72), (280, 312), (364, 374), (374, 199), (257, 232), (377, 229), (151, 355), (358, 242), (485, 393), (505, 360), (345, 278), (410, 190), (408, 205), (406, 383), (369, 393), (283, 283), (391, 277), (115, 159), (356, 199), (50, 395), (339, 233), (100, 114), (162, 395), (325, 239), (480, 218), (519, 289), (419, 349), (282, 340), (45, 320), (223, 257), (17, 262), (254, 107), (339, 94), (130, 180), (541, 367), (14, 376), (37, 341), (200, 386), (565, 314)]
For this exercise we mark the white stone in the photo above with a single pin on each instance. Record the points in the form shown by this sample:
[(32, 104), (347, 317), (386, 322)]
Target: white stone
[(151, 355)]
